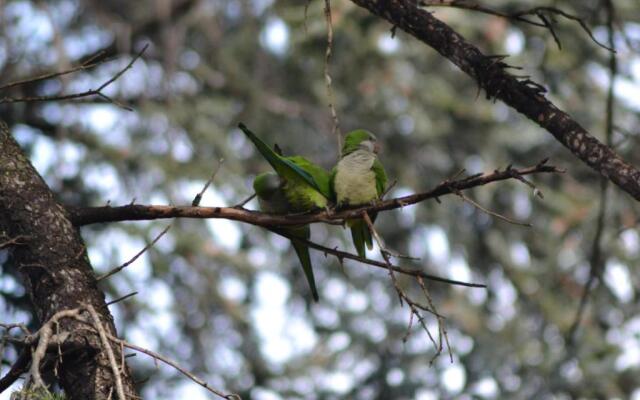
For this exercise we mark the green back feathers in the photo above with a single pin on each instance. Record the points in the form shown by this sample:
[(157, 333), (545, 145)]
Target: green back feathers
[(320, 176), (354, 138), (291, 167)]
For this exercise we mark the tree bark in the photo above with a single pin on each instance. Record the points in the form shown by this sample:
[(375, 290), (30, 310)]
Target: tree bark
[(523, 95), (53, 262)]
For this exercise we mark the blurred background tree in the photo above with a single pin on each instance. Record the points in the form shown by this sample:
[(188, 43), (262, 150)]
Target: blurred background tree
[(229, 302)]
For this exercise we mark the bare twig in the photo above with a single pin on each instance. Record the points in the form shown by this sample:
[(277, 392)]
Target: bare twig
[(22, 327), (15, 241), (327, 76), (106, 347), (44, 338), (87, 64), (521, 16), (414, 307), (384, 254), (597, 258), (123, 266), (244, 202), (342, 255), (492, 213), (521, 95), (91, 92), (159, 357), (388, 189), (119, 299), (198, 198)]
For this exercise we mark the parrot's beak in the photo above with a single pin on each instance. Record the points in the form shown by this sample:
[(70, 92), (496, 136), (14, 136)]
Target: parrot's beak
[(377, 148)]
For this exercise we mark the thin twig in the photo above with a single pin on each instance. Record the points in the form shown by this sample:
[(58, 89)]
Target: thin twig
[(159, 357), (119, 299), (107, 348), (244, 202), (88, 64), (198, 198), (384, 254), (123, 266), (414, 307), (520, 16), (90, 92), (327, 76), (388, 189), (597, 257), (342, 255), (492, 213), (15, 241)]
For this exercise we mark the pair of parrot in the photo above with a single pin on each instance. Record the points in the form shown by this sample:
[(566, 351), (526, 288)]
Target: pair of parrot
[(298, 185)]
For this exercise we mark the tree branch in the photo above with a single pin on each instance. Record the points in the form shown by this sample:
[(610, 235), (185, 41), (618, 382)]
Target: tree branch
[(525, 96), (91, 92), (134, 212), (341, 255), (520, 16)]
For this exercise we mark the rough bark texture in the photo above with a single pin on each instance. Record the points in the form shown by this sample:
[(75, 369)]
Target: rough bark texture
[(56, 271), (524, 96)]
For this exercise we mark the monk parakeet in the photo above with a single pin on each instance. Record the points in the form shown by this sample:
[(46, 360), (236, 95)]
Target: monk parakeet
[(305, 185), (297, 186), (359, 179), (271, 197)]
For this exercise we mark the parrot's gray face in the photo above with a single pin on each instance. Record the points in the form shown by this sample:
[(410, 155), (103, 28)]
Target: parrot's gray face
[(272, 184), (370, 145)]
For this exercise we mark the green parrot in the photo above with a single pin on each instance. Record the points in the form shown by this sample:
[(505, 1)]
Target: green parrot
[(268, 187), (358, 179), (297, 186), (306, 186)]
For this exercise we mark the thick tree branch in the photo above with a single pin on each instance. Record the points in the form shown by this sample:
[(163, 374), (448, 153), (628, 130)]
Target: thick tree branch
[(525, 96), (135, 212)]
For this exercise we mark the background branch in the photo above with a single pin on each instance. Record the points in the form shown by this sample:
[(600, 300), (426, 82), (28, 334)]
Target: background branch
[(525, 96)]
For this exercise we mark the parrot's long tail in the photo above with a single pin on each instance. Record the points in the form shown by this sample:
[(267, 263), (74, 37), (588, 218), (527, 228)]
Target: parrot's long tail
[(361, 236), (303, 255)]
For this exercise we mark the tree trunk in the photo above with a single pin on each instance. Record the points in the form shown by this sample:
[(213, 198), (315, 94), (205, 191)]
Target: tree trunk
[(53, 262)]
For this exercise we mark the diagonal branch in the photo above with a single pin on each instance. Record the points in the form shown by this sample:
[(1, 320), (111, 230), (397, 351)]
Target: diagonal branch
[(342, 255), (136, 212), (525, 96)]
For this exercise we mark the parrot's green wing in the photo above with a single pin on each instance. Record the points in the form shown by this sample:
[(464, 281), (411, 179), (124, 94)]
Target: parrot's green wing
[(320, 176), (272, 199), (332, 183), (284, 166), (381, 177)]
